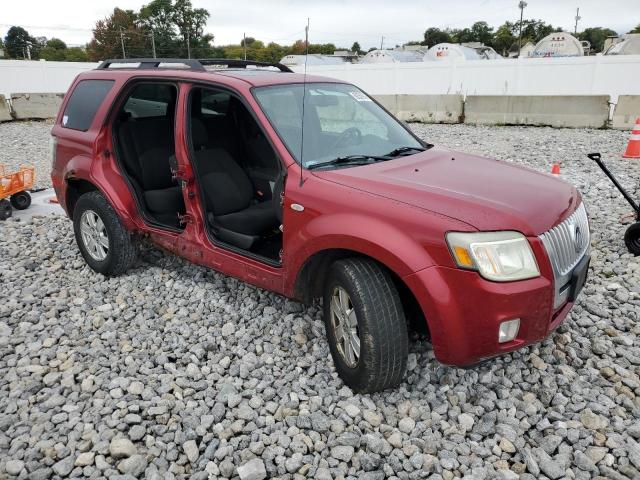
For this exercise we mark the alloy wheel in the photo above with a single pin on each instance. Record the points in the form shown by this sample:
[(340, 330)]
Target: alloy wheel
[(94, 235), (345, 326)]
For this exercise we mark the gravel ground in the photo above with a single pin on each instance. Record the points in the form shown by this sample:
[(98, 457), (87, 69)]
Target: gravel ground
[(27, 143), (176, 371)]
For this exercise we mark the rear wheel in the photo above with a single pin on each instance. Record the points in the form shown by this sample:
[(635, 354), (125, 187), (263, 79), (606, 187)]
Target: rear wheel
[(5, 209), (632, 238), (105, 244), (21, 200), (365, 324)]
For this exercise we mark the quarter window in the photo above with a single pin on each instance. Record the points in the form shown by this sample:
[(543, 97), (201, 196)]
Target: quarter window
[(84, 103)]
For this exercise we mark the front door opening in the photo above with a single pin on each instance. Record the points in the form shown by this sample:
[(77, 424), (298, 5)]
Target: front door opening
[(239, 173)]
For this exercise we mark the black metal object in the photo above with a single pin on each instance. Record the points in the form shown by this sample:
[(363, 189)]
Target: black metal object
[(191, 63), (596, 157), (632, 235)]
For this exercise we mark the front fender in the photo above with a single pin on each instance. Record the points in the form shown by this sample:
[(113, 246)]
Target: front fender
[(359, 233)]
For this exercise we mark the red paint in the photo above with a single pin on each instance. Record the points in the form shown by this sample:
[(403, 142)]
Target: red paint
[(396, 212)]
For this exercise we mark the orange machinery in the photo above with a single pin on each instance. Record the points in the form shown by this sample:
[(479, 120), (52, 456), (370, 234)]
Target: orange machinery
[(14, 186)]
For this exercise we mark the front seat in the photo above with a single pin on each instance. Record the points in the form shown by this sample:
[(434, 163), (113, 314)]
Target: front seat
[(229, 196), (146, 146)]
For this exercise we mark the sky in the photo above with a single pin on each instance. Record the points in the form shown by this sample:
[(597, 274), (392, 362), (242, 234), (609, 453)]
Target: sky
[(336, 21)]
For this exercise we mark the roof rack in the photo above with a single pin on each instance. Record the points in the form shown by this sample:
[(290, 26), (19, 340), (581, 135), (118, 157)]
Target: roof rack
[(191, 64)]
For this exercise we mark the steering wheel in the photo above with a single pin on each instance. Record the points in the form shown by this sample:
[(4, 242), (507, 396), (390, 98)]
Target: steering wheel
[(351, 134)]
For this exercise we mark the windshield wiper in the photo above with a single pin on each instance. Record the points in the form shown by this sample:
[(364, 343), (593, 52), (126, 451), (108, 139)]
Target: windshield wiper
[(349, 159), (404, 151)]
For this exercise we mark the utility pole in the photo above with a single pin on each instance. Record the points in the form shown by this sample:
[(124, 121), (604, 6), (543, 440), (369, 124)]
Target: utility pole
[(153, 44), (521, 6), (578, 18), (244, 44), (124, 55), (188, 45), (381, 42)]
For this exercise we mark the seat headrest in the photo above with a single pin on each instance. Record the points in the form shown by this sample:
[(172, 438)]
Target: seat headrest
[(198, 134)]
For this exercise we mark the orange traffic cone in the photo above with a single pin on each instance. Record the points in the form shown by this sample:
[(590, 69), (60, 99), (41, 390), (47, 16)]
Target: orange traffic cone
[(555, 169), (633, 148)]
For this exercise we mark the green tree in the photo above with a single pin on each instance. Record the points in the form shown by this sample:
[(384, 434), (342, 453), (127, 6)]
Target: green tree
[(248, 41), (596, 37), (17, 42), (533, 30), (54, 50), (636, 30), (157, 17), (503, 39), (433, 36), (482, 32), (76, 54), (322, 48), (56, 44), (463, 35), (355, 48), (190, 23), (108, 33)]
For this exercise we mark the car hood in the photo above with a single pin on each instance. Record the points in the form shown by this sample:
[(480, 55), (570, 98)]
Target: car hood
[(485, 193)]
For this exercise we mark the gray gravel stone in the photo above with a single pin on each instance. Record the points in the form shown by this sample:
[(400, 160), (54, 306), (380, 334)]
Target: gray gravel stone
[(252, 470), (190, 448), (134, 465), (64, 466), (13, 467), (121, 448)]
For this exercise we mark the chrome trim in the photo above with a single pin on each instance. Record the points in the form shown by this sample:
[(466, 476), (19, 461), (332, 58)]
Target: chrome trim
[(566, 244)]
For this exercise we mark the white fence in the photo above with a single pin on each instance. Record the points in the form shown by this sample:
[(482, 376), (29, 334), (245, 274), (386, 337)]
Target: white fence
[(410, 88), (19, 76), (596, 75), (599, 75)]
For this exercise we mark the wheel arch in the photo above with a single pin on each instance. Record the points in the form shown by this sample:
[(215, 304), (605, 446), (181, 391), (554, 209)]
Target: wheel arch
[(313, 273), (75, 188)]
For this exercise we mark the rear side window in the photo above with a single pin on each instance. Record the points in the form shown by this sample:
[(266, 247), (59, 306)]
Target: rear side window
[(84, 103), (150, 100)]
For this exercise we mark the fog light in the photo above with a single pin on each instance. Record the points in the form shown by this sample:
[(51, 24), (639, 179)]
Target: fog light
[(508, 330)]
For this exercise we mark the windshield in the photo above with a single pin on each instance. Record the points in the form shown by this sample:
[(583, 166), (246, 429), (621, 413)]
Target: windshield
[(339, 121)]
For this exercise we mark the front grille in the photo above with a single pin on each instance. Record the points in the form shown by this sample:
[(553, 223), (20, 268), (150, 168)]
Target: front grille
[(566, 244)]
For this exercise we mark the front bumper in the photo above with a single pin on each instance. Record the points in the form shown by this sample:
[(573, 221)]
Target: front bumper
[(464, 311)]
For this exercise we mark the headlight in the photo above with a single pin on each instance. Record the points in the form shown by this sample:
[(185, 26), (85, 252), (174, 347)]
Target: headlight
[(497, 256)]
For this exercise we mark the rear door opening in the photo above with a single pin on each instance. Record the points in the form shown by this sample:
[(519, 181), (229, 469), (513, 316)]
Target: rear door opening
[(144, 135)]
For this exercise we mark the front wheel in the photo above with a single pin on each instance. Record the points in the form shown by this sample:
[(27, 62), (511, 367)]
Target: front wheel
[(632, 238), (365, 324), (105, 244)]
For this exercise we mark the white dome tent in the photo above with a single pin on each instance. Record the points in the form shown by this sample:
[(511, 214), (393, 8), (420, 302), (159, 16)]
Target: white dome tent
[(393, 56), (559, 44), (454, 51)]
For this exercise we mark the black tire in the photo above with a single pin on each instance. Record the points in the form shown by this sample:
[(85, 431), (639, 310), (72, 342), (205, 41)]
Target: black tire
[(632, 238), (21, 200), (5, 209), (122, 248), (381, 325)]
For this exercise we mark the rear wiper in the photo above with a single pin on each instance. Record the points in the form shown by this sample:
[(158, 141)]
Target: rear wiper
[(404, 150), (349, 159)]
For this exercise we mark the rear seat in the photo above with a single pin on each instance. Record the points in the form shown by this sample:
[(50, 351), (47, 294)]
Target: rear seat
[(146, 146)]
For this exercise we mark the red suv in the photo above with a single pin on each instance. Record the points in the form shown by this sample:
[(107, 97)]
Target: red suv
[(306, 186)]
